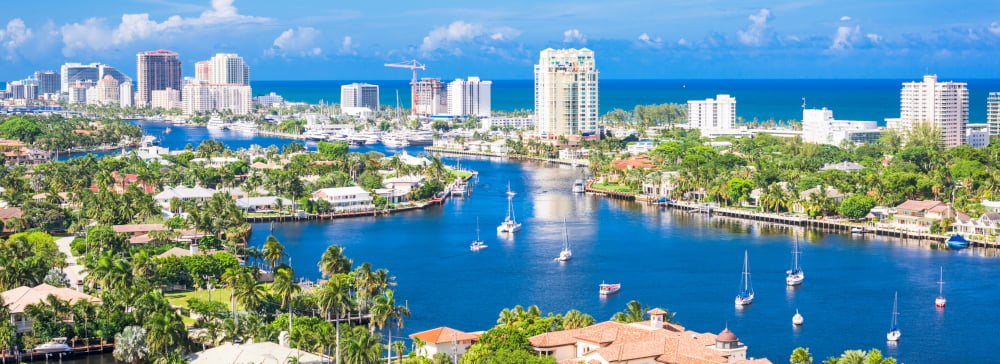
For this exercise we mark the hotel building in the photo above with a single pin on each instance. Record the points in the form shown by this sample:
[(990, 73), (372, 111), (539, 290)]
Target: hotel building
[(819, 126)]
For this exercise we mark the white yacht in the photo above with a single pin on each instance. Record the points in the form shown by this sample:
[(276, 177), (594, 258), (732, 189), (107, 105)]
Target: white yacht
[(894, 333), (795, 276), (797, 319), (509, 225), (579, 187), (395, 141), (315, 135), (179, 120), (56, 345), (216, 123), (244, 126)]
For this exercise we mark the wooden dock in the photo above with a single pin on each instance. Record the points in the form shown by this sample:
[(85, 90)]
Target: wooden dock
[(79, 348)]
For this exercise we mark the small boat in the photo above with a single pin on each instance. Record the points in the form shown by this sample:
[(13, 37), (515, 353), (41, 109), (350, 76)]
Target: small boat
[(797, 320), (477, 244), (395, 141), (56, 345), (857, 230), (609, 288), (459, 189), (566, 254), (509, 225), (167, 131), (356, 142), (579, 187), (745, 297), (894, 333), (940, 301), (795, 276), (149, 140), (957, 242), (315, 135)]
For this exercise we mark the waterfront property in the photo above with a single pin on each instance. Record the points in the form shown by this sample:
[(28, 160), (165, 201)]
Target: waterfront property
[(818, 192), (446, 340), (919, 216), (262, 352), (819, 126), (652, 341), (346, 199), (18, 299), (183, 193), (265, 204)]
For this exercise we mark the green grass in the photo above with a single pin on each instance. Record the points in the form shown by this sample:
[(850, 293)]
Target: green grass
[(461, 174), (613, 188), (181, 298)]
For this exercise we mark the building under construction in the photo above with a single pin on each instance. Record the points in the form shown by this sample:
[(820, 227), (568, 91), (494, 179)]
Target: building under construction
[(430, 97)]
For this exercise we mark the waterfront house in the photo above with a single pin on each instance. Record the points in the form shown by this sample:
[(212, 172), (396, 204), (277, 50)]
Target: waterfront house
[(757, 193), (265, 204), (993, 206), (634, 162), (9, 213), (830, 192), (183, 193), (120, 183), (139, 233), (652, 341), (842, 166), (660, 184), (919, 215), (19, 298), (410, 160), (346, 199), (570, 154), (983, 228), (444, 340), (259, 352)]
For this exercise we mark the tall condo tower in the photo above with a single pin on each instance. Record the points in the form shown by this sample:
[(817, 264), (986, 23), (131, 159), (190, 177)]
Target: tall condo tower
[(469, 97), (993, 112), (228, 69), (943, 105), (359, 95), (566, 93), (156, 70)]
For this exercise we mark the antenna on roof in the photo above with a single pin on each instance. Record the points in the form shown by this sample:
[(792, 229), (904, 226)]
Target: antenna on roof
[(803, 102)]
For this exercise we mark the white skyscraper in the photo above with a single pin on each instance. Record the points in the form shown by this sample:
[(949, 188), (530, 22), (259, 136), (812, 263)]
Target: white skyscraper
[(359, 95), (944, 105), (712, 115), (126, 95), (993, 112), (469, 97), (227, 69), (566, 93)]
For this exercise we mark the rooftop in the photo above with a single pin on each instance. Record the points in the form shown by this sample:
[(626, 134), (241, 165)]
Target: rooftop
[(263, 352), (19, 298), (443, 335)]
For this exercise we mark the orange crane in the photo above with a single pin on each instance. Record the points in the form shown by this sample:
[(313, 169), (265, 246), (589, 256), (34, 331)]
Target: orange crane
[(413, 65)]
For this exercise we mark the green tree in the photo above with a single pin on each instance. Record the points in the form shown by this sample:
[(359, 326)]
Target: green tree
[(634, 312), (575, 319), (130, 345), (332, 151), (856, 206), (801, 356)]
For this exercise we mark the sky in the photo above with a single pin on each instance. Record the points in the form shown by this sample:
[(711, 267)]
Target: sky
[(632, 39)]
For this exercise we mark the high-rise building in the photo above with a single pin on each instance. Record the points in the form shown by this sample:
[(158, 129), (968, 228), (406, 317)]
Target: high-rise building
[(78, 93), (566, 93), (203, 97), (228, 69), (203, 71), (993, 112), (430, 97), (712, 115), (126, 96), (943, 105), (165, 99), (359, 95), (48, 82), (469, 97), (106, 92), (156, 70), (105, 71), (819, 126), (73, 73)]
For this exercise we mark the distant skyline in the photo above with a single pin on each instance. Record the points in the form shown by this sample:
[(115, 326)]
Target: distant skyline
[(707, 39)]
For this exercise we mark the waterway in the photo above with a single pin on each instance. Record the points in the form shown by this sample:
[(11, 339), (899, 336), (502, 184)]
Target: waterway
[(689, 264)]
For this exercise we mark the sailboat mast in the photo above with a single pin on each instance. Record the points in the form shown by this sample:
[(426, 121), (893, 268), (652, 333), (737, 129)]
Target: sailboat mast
[(941, 283)]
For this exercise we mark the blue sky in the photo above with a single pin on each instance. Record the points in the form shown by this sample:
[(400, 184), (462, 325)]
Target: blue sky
[(317, 39)]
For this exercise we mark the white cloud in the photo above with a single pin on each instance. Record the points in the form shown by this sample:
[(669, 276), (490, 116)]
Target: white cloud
[(874, 38), (450, 38), (646, 39), (574, 36), (848, 37), (14, 36), (347, 46), (95, 34), (757, 34), (845, 18), (995, 28), (683, 42), (299, 41)]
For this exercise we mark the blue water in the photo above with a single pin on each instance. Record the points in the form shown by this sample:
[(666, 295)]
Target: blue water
[(763, 99), (689, 264)]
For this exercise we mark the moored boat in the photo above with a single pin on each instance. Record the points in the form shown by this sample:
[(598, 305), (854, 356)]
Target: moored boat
[(56, 345), (745, 296), (957, 242), (509, 224), (894, 333), (797, 319), (579, 187), (795, 276), (477, 244), (566, 254), (940, 301), (609, 288)]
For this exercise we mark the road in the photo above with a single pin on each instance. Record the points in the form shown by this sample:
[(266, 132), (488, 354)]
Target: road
[(74, 272)]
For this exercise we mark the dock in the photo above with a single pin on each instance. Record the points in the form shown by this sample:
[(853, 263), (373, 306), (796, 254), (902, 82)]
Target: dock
[(79, 347)]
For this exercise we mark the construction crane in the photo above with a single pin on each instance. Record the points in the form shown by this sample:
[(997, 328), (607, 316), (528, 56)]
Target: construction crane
[(413, 65)]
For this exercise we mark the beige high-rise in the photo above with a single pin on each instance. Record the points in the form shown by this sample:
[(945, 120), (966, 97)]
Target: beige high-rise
[(566, 94)]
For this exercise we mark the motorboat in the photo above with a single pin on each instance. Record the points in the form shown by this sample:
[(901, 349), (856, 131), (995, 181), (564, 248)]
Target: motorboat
[(745, 296), (315, 135), (215, 123), (579, 187), (149, 140), (420, 138), (957, 242), (395, 141), (609, 288), (795, 276), (459, 189), (56, 345), (894, 333), (857, 230), (509, 224), (566, 254), (244, 126)]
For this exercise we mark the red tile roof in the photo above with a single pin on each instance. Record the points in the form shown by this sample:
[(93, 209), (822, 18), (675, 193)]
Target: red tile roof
[(444, 335)]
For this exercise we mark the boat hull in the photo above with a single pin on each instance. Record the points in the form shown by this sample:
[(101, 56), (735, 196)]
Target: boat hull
[(940, 302), (795, 279), (797, 320), (609, 289), (741, 301), (893, 335)]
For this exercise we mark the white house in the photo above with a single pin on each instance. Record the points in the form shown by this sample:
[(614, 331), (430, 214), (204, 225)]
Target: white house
[(444, 340), (346, 199), (184, 193), (264, 203)]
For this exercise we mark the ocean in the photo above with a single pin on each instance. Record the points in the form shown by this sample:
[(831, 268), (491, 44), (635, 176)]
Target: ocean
[(764, 99)]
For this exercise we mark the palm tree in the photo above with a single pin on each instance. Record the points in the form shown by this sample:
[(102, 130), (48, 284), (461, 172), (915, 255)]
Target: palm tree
[(284, 285), (400, 348), (130, 345), (801, 356), (362, 348), (860, 357), (273, 251), (164, 330), (335, 297), (385, 311), (334, 261), (575, 319), (634, 312)]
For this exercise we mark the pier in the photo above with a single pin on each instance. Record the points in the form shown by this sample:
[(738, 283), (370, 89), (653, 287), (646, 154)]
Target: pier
[(78, 347)]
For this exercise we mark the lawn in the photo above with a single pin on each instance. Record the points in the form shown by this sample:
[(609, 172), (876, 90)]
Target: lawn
[(181, 298), (461, 174), (613, 187)]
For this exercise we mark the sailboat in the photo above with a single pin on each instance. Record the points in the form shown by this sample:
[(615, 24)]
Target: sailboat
[(566, 254), (894, 334), (797, 320), (940, 301), (745, 297), (795, 276), (509, 225), (477, 244)]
